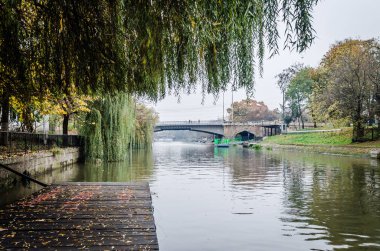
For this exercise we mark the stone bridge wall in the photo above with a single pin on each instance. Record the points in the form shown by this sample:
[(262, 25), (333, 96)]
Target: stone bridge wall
[(230, 131)]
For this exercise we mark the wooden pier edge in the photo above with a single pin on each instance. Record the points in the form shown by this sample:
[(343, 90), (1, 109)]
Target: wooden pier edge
[(82, 215)]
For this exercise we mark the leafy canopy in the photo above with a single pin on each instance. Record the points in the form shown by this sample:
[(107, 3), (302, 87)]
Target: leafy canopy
[(146, 47)]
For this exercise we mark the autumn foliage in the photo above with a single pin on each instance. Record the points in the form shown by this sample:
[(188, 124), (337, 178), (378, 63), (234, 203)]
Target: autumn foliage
[(251, 110)]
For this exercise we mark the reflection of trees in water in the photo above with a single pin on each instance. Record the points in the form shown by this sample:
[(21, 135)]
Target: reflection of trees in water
[(249, 168), (346, 203), (20, 190), (337, 201), (139, 166)]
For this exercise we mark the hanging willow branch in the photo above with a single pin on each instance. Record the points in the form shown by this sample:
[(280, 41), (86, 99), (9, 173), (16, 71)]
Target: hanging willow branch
[(116, 124), (150, 47)]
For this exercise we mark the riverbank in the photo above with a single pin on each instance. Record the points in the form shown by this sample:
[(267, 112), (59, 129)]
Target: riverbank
[(35, 163), (338, 142)]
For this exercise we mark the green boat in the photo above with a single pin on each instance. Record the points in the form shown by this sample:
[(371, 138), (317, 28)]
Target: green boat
[(222, 143)]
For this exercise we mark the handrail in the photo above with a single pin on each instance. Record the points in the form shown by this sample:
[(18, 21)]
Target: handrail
[(215, 122), (23, 175)]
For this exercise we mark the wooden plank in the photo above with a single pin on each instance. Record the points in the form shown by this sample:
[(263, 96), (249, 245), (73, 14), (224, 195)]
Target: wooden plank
[(95, 216)]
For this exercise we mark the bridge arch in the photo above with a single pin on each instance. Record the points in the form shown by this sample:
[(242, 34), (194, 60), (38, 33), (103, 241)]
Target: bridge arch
[(245, 135)]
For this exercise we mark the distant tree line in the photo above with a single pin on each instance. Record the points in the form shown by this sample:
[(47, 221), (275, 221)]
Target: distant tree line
[(248, 110), (343, 89)]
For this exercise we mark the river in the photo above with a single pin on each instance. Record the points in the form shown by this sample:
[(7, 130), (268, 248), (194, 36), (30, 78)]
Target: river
[(207, 198)]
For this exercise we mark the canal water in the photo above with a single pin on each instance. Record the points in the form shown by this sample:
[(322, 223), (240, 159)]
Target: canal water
[(207, 198)]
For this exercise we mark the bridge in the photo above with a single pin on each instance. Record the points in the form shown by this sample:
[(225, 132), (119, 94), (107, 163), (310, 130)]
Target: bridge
[(219, 129)]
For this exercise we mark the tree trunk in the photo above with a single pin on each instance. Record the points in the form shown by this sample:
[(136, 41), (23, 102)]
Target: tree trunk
[(65, 130), (300, 113), (358, 128), (358, 131), (4, 120), (313, 117), (65, 124), (377, 110), (283, 106), (28, 120), (5, 114)]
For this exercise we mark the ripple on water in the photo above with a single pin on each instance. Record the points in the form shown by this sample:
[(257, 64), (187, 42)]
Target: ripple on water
[(236, 199)]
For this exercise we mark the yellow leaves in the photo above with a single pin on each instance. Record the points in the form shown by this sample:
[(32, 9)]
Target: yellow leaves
[(61, 23), (192, 23), (45, 243), (214, 49), (349, 48), (149, 40), (176, 38), (201, 52), (49, 104), (11, 235)]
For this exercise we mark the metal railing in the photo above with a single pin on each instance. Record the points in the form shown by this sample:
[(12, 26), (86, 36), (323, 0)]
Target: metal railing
[(13, 142), (216, 122), (190, 122)]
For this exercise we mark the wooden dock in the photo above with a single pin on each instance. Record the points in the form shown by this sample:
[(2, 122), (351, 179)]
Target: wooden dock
[(93, 216)]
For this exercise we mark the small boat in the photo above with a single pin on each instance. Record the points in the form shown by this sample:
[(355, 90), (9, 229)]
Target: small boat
[(223, 145)]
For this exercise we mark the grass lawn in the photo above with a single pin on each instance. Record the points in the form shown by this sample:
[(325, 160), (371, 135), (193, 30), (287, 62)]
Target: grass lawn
[(339, 138), (318, 138), (338, 142)]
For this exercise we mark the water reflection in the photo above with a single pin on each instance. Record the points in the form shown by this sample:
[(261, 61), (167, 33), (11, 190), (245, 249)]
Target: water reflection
[(333, 199), (139, 166), (21, 189), (207, 198)]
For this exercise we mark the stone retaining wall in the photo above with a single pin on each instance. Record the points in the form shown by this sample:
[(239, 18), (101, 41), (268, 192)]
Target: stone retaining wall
[(37, 163)]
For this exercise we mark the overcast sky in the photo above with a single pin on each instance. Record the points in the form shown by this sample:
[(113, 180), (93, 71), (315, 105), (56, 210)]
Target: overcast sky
[(334, 20)]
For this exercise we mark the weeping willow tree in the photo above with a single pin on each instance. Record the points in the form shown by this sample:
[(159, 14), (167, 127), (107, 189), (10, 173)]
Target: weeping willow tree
[(144, 126), (150, 47), (116, 124), (141, 47)]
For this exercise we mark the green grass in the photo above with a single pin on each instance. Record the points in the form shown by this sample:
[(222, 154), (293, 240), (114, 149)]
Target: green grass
[(323, 138)]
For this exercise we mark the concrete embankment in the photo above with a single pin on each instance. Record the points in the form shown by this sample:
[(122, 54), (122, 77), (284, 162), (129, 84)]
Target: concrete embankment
[(37, 163)]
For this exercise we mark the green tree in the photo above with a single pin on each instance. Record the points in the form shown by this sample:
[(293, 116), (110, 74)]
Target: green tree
[(298, 93), (349, 86), (374, 75), (283, 81)]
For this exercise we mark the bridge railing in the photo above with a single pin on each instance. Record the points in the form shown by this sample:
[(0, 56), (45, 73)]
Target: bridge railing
[(216, 122), (190, 122)]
